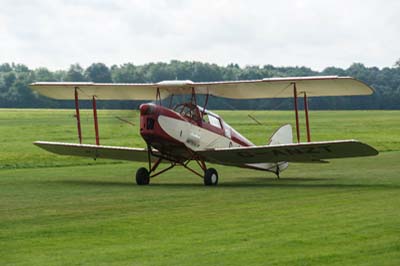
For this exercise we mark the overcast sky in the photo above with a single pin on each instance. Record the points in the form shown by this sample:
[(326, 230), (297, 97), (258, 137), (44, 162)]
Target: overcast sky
[(312, 33)]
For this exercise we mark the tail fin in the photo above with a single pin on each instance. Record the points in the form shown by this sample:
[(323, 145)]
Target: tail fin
[(282, 135)]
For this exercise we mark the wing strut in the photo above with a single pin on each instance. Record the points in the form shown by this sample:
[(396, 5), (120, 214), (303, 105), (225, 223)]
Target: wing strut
[(77, 115), (306, 113), (296, 110), (158, 96), (96, 124)]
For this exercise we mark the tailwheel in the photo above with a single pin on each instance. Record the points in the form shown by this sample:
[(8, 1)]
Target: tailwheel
[(210, 177), (142, 176)]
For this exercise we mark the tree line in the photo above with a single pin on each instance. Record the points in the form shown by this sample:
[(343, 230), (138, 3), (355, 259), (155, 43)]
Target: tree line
[(15, 78)]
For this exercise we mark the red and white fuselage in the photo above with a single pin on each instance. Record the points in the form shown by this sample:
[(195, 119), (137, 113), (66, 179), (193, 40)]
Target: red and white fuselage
[(179, 133)]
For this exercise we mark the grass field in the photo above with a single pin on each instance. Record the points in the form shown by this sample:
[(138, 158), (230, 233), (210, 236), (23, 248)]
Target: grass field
[(74, 211)]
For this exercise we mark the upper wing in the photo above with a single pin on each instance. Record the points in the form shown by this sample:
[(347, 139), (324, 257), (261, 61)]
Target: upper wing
[(303, 152), (95, 151), (283, 87), (247, 89), (103, 91)]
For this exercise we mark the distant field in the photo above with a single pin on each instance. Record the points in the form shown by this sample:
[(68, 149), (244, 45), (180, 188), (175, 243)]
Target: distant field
[(73, 211)]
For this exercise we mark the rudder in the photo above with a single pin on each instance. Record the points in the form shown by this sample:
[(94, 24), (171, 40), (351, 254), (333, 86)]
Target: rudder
[(282, 135)]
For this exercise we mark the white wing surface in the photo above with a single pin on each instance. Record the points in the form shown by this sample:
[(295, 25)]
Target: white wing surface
[(247, 89), (95, 151), (103, 91), (283, 87), (302, 152)]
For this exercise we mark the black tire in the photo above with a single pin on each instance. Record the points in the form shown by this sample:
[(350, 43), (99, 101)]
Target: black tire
[(142, 176), (211, 177)]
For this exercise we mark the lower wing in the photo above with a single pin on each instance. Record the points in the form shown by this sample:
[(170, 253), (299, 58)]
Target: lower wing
[(294, 152), (95, 151), (302, 152)]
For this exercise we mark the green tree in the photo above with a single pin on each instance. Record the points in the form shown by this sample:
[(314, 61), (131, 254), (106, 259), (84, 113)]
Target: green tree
[(9, 79), (5, 67), (98, 72), (332, 71), (251, 72), (75, 73), (127, 73), (231, 72), (397, 64), (15, 79), (43, 74), (155, 72), (19, 68)]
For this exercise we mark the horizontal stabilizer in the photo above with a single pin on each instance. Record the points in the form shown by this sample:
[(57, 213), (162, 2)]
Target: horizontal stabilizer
[(295, 152), (95, 151)]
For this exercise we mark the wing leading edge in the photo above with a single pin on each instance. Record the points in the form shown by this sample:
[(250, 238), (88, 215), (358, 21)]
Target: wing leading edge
[(94, 151), (302, 152)]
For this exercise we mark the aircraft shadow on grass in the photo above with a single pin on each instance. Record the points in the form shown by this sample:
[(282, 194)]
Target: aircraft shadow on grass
[(255, 182)]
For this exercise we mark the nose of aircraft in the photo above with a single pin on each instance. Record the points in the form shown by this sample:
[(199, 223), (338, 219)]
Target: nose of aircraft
[(157, 136), (148, 117), (148, 109)]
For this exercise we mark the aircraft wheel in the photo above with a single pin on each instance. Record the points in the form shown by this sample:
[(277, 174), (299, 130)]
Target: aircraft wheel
[(142, 176), (211, 177)]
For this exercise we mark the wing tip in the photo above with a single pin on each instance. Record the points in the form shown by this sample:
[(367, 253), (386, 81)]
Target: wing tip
[(38, 143), (369, 150), (367, 89)]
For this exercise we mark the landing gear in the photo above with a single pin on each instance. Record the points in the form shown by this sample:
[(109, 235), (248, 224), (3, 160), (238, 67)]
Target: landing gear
[(210, 177), (142, 176), (277, 171)]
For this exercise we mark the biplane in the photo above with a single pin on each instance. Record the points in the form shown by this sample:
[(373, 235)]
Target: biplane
[(187, 132)]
